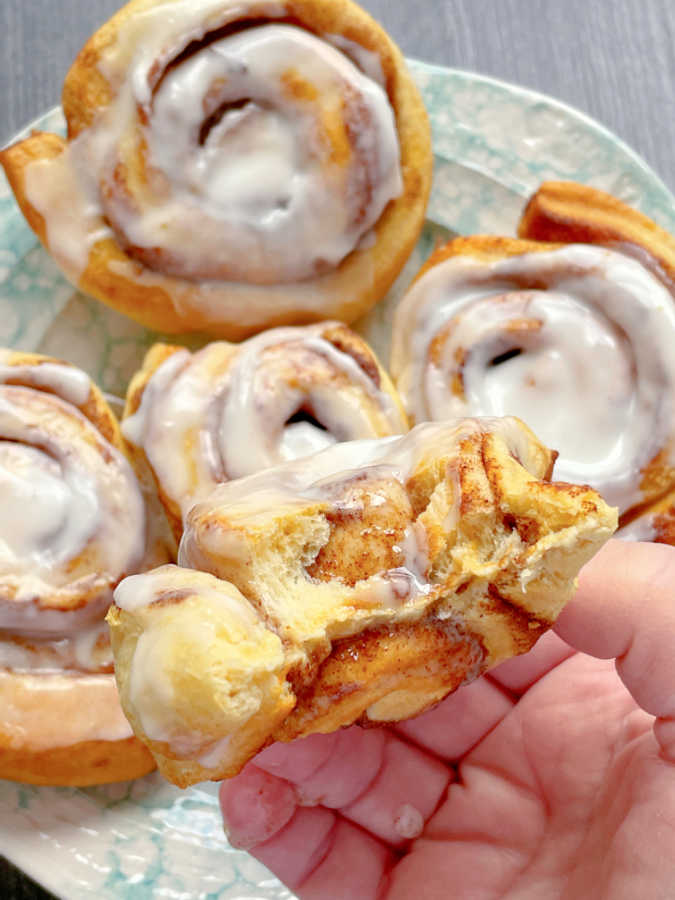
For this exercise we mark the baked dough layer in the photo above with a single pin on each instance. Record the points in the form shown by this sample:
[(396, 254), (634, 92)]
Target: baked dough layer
[(361, 585), (230, 410)]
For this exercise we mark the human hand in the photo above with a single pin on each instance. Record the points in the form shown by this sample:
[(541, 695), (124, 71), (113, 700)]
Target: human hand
[(549, 777)]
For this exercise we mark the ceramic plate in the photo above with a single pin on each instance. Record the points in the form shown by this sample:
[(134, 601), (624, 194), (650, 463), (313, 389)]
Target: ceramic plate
[(493, 143)]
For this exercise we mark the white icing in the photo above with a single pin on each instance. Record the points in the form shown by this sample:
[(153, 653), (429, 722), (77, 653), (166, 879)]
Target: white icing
[(302, 439), (44, 710), (259, 402), (641, 529), (134, 427), (393, 590), (138, 591), (72, 384), (67, 199), (268, 196), (223, 412), (58, 491), (367, 60), (218, 621), (317, 477), (596, 375), (47, 511), (72, 521), (415, 550), (83, 650)]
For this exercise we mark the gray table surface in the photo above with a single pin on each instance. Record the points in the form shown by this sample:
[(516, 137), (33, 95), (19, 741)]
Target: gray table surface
[(613, 59)]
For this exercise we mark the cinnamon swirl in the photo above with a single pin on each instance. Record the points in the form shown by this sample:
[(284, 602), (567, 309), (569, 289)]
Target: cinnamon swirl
[(232, 409), (577, 339), (365, 595), (72, 524), (232, 165)]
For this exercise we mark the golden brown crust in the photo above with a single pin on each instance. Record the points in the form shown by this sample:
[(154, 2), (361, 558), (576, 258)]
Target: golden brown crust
[(335, 333), (16, 158), (425, 661), (567, 212), (486, 247), (68, 731), (173, 305), (80, 765)]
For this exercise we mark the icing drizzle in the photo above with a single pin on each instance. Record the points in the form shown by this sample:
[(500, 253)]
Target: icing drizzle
[(270, 154), (72, 521), (224, 412), (576, 341)]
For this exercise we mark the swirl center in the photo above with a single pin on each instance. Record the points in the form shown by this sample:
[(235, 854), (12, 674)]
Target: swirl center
[(45, 514), (265, 158), (547, 358)]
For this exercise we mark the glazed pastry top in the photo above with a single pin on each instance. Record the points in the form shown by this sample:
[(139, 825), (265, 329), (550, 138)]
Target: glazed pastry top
[(72, 520), (227, 411), (261, 154), (323, 475), (338, 479), (576, 340), (251, 655)]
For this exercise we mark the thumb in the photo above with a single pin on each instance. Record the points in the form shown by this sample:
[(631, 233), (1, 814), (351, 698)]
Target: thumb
[(624, 608)]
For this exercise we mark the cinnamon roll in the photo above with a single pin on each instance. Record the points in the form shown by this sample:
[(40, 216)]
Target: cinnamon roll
[(232, 165), (73, 523), (577, 339), (324, 599), (232, 409)]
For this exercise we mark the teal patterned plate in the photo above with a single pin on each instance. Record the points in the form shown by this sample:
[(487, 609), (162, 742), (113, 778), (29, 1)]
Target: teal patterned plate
[(494, 143)]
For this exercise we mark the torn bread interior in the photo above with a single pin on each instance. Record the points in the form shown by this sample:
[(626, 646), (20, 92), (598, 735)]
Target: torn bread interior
[(362, 584)]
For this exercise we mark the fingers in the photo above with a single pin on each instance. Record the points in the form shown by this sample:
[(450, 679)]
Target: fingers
[(313, 851), (259, 807), (355, 866), (453, 727), (403, 796), (333, 770), (520, 673), (307, 757), (625, 608), (374, 779)]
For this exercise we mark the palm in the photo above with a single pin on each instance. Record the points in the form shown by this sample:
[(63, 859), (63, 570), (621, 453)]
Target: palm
[(543, 780), (564, 798)]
